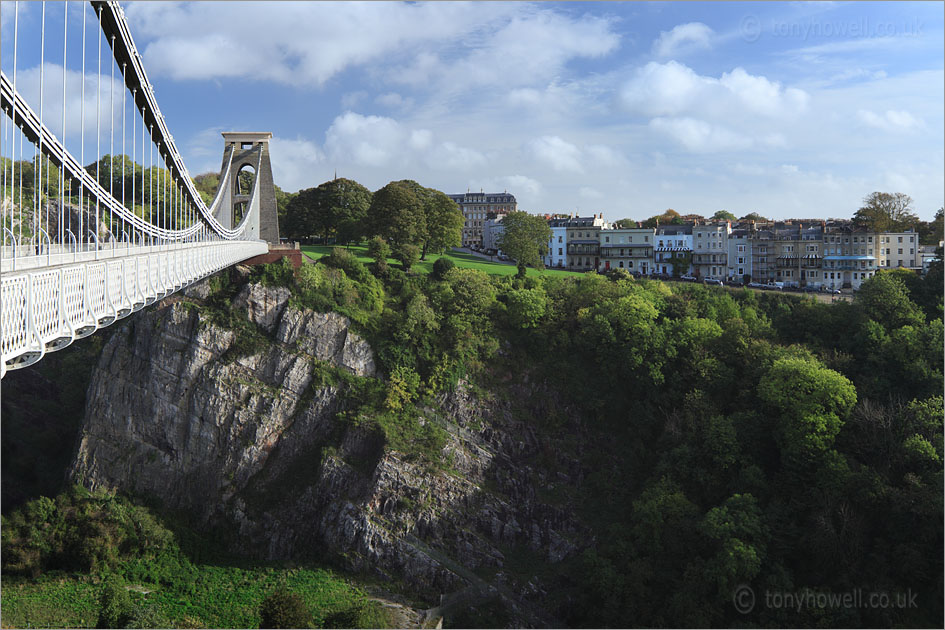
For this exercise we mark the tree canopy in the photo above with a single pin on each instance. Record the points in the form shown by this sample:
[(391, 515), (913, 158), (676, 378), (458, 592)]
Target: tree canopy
[(337, 207), (886, 212), (525, 239), (724, 215)]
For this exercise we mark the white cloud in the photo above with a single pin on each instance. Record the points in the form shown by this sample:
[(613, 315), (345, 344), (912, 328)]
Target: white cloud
[(556, 153), (310, 43), (682, 39), (365, 140), (761, 96), (294, 161), (101, 106), (892, 120), (672, 88), (699, 136), (449, 156), (377, 141)]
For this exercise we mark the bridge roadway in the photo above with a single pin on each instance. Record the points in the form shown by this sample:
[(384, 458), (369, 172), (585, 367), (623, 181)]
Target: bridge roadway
[(52, 299)]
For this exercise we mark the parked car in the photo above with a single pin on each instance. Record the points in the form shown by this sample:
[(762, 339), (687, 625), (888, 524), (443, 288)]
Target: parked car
[(773, 287), (715, 281), (756, 285), (688, 278)]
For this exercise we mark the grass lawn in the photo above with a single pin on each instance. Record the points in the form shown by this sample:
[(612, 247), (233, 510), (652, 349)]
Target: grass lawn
[(461, 259)]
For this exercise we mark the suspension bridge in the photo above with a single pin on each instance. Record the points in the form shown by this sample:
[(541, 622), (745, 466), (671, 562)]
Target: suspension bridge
[(85, 244)]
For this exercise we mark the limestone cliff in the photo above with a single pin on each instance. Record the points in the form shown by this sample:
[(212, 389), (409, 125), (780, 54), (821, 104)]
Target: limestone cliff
[(259, 443)]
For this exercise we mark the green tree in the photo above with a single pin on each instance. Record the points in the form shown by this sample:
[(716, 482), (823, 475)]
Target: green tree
[(339, 207), (396, 213), (931, 232), (284, 609), (625, 223), (738, 538), (442, 266), (886, 212), (723, 215), (444, 223), (669, 217), (885, 299), (753, 216), (408, 254), (526, 307), (525, 239), (811, 400)]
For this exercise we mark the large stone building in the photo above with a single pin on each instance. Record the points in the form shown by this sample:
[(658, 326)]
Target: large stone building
[(477, 207), (673, 245), (583, 244), (899, 249), (850, 256), (710, 249), (627, 248)]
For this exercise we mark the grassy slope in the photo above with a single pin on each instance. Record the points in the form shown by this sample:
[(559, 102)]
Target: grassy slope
[(222, 597), (461, 259)]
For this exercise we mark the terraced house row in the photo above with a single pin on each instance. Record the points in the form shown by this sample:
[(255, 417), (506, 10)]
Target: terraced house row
[(825, 254)]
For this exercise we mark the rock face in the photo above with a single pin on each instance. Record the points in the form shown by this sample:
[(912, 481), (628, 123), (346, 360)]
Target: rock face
[(258, 444)]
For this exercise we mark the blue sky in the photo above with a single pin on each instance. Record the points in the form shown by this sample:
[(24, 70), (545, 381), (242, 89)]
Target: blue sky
[(786, 109)]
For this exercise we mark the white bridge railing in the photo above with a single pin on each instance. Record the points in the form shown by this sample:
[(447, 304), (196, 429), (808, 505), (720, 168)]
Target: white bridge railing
[(47, 309)]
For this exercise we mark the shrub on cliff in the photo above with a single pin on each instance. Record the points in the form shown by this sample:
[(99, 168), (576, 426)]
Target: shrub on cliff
[(284, 609)]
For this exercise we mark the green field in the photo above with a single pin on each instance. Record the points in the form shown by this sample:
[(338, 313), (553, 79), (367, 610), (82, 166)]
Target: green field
[(461, 259)]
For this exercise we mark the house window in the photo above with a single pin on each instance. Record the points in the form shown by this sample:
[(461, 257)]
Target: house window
[(559, 238), (606, 239), (900, 239), (559, 251), (900, 249)]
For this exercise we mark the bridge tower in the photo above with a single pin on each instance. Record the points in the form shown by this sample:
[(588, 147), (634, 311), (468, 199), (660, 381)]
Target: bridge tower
[(250, 153)]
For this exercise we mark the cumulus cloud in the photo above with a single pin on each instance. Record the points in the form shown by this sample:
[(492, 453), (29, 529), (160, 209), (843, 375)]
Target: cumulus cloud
[(557, 153), (294, 161), (891, 120), (375, 141), (673, 88), (365, 140), (682, 39), (310, 43)]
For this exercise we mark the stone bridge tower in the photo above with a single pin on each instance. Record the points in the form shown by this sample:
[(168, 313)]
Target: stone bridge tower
[(250, 154)]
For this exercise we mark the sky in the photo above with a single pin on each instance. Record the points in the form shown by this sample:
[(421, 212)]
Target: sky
[(787, 109)]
